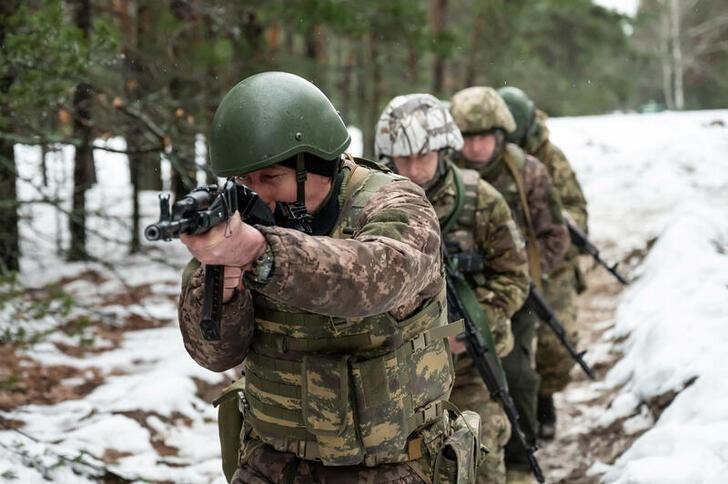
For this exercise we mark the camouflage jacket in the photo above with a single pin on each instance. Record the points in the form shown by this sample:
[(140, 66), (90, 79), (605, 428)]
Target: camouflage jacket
[(391, 265), (491, 232), (543, 202), (538, 145)]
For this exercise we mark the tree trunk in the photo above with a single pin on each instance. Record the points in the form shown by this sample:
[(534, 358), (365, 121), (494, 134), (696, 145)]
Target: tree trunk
[(346, 82), (471, 70), (665, 60), (413, 64), (144, 169), (677, 58), (83, 172), (362, 95), (315, 54), (9, 237), (439, 20)]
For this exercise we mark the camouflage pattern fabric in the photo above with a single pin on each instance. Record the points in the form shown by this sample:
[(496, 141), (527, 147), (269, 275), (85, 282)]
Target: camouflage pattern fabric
[(543, 202), (390, 266), (564, 179), (487, 229), (479, 109), (261, 464), (554, 363), (492, 234), (236, 326), (470, 393)]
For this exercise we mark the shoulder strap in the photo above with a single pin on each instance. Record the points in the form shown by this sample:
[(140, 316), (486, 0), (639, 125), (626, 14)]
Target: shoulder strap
[(471, 179), (534, 256), (452, 217), (362, 184)]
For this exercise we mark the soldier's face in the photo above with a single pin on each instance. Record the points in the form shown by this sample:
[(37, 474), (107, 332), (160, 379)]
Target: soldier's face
[(278, 184), (418, 168), (479, 148)]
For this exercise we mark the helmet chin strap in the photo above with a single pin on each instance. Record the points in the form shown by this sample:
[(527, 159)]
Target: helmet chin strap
[(301, 176), (294, 215)]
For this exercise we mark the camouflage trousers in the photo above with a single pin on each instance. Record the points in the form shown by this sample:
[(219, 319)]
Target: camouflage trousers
[(553, 362), (262, 464), (523, 384), (470, 393)]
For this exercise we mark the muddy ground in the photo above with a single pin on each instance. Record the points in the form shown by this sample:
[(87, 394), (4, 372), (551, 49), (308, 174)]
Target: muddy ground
[(581, 441)]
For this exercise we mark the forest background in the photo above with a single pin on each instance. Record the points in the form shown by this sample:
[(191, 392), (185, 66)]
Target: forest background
[(74, 72)]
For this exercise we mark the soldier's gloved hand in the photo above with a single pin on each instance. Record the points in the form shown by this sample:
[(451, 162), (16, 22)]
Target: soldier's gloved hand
[(232, 279), (234, 243)]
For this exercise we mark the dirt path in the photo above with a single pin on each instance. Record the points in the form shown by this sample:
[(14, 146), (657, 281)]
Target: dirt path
[(580, 441)]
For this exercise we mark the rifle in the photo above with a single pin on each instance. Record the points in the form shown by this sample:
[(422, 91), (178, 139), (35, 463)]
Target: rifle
[(196, 213), (579, 239), (545, 313), (485, 360)]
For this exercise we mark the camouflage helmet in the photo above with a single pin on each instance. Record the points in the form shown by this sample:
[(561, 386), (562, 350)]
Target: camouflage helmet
[(522, 109), (415, 124), (479, 109), (270, 117)]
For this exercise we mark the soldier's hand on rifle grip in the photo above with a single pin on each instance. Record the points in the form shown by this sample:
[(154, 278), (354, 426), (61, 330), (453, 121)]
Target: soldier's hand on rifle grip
[(232, 279), (233, 243)]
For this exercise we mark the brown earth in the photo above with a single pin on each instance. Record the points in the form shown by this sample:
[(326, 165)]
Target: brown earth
[(580, 440), (24, 380)]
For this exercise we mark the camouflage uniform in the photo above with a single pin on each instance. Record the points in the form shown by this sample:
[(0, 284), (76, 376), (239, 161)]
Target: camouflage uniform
[(486, 228), (478, 227), (478, 110), (560, 287), (378, 277), (552, 236)]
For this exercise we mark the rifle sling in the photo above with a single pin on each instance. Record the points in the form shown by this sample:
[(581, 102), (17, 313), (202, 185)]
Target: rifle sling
[(534, 256)]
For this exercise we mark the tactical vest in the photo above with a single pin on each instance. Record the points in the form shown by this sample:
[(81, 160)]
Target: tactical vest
[(459, 233), (509, 182), (457, 227), (348, 391)]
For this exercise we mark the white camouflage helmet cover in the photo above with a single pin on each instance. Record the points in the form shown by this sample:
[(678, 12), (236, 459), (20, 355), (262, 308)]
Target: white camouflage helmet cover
[(415, 124)]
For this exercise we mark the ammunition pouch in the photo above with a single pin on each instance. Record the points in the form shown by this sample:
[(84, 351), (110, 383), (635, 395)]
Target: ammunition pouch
[(458, 458), (230, 418)]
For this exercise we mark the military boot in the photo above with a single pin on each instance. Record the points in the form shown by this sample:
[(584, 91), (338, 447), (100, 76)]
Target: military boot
[(546, 417)]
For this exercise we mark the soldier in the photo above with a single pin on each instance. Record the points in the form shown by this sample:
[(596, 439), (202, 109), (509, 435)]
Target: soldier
[(418, 137), (566, 280), (484, 120), (341, 322)]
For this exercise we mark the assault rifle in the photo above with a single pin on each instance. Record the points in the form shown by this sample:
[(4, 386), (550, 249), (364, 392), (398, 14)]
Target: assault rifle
[(485, 360), (467, 263), (545, 313), (196, 213), (579, 239)]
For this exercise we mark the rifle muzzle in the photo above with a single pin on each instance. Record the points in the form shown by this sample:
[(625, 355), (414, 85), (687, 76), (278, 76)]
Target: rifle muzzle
[(152, 232)]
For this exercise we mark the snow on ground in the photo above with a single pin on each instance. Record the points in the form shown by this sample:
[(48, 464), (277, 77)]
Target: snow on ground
[(145, 421), (647, 176), (666, 176)]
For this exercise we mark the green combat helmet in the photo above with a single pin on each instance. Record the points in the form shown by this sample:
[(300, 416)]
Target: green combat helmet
[(522, 109), (271, 117), (480, 109)]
